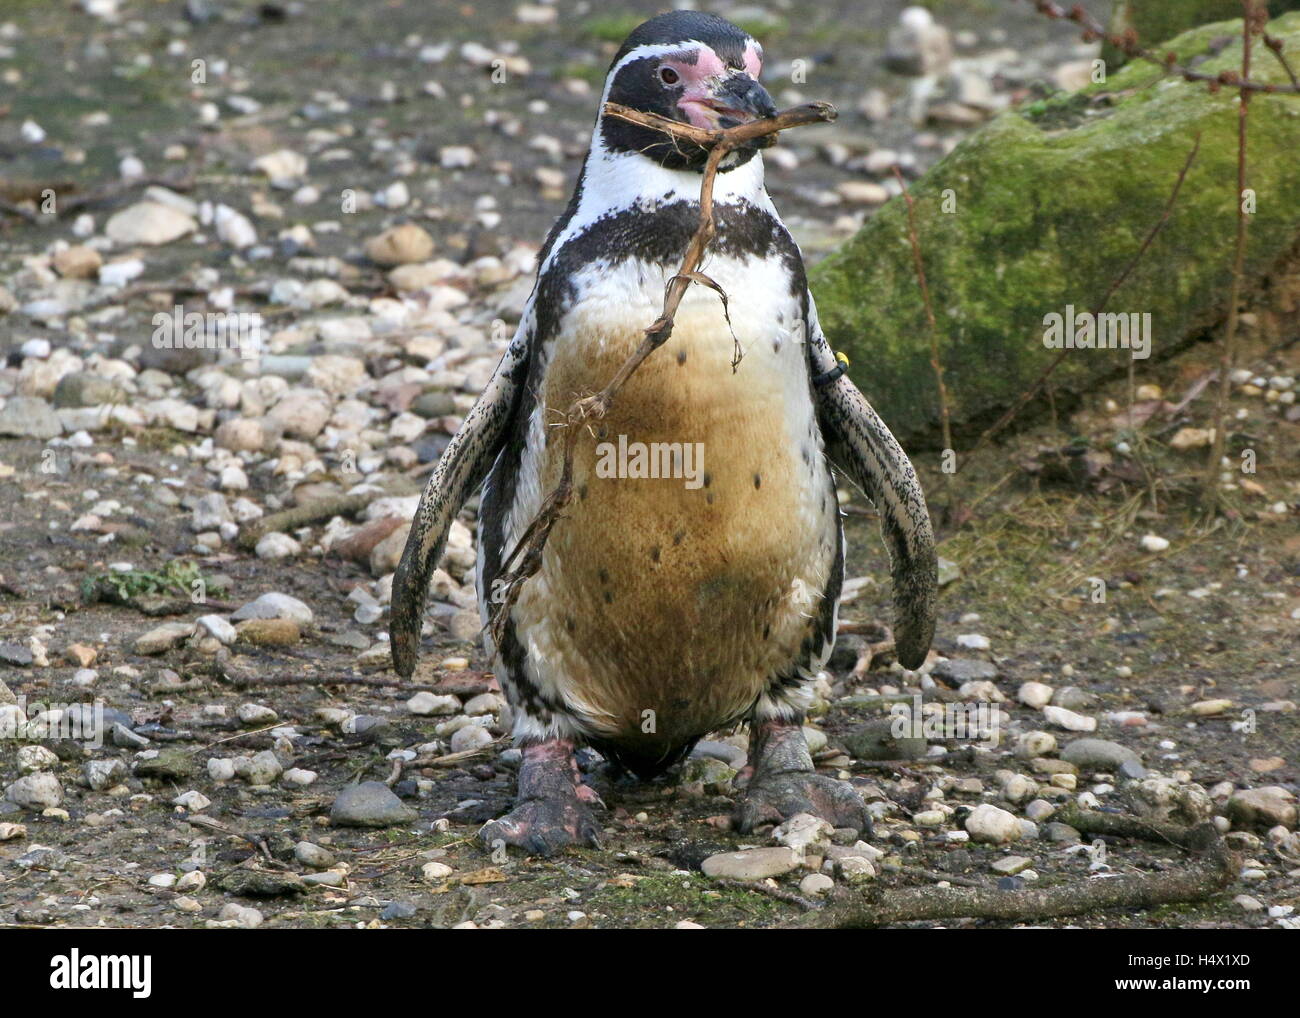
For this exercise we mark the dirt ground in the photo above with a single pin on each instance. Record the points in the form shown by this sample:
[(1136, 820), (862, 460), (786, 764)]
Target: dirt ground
[(1214, 616)]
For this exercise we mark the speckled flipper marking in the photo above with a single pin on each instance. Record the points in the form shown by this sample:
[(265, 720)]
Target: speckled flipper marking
[(859, 443), (463, 466)]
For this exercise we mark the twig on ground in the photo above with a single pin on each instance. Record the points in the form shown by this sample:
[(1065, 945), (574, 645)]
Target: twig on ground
[(1215, 867), (526, 558), (313, 512), (759, 887)]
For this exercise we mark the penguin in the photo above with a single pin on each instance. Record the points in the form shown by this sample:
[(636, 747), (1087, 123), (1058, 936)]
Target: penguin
[(693, 581)]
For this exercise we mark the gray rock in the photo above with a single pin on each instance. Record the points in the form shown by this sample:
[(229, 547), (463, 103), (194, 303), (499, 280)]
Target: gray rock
[(875, 741), (958, 670), (16, 655), (210, 511), (370, 804), (275, 606), (754, 864), (1098, 754), (36, 791), (1264, 807), (29, 417), (102, 774), (310, 854), (81, 388), (149, 222)]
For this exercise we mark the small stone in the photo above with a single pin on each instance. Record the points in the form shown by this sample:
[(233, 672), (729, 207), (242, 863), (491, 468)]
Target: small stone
[(193, 801), (815, 884), (1098, 754), (432, 705), (435, 872), (276, 545), (1010, 865), (269, 632), (194, 880), (36, 791), (150, 223), (1035, 694), (310, 854), (370, 804), (77, 262), (1263, 807), (752, 864), (958, 671), (262, 769), (163, 638), (217, 627), (1209, 708), (1153, 543), (469, 738), (400, 245), (275, 606), (102, 774), (802, 831), (990, 824), (29, 417), (1069, 720)]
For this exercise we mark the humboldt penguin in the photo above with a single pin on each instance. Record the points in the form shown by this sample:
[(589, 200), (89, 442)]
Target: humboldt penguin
[(693, 581)]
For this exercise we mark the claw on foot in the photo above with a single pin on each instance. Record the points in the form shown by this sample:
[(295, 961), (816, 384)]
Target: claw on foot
[(551, 808), (784, 783)]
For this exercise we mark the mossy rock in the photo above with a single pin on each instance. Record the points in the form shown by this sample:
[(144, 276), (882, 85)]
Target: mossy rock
[(1156, 21), (1049, 202)]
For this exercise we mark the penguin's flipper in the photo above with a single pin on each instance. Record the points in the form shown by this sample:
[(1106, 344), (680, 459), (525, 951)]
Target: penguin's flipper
[(861, 446), (461, 469)]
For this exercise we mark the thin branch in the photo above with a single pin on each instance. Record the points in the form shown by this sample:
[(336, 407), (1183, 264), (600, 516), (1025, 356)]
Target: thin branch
[(1214, 868), (1250, 26), (1129, 45)]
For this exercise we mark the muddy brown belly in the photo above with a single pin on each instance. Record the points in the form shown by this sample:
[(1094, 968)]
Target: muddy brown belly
[(665, 605)]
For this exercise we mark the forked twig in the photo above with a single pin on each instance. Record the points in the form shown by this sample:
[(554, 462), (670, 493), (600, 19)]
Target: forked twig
[(526, 558)]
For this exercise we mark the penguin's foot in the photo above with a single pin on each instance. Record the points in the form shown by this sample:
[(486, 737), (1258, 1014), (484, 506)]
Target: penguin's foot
[(784, 783), (552, 808)]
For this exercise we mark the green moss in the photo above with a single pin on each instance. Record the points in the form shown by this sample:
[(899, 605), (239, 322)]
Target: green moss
[(1042, 208)]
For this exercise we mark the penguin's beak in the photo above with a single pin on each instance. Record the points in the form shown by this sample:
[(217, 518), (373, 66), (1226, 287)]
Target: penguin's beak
[(727, 102)]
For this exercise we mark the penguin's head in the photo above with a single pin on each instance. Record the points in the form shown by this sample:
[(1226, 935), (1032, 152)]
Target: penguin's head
[(693, 68)]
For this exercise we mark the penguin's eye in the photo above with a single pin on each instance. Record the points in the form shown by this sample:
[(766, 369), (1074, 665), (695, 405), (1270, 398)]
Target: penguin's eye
[(668, 76)]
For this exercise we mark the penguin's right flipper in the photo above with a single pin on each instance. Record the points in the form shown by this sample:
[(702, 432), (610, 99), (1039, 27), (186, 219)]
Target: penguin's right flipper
[(859, 444), (461, 469)]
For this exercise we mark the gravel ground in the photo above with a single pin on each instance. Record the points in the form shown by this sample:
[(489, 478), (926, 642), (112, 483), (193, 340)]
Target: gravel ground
[(376, 188)]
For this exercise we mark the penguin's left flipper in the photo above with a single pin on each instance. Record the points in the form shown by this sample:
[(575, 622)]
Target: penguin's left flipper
[(461, 469), (861, 446)]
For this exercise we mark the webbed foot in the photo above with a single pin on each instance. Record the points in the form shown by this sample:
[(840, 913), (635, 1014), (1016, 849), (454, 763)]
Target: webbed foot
[(551, 808), (784, 783)]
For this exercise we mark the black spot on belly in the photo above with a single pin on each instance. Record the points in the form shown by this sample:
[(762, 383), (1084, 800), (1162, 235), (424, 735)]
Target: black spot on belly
[(609, 598), (654, 553), (569, 623), (603, 575), (582, 493), (709, 498), (678, 537), (758, 481), (708, 478), (681, 356), (767, 631)]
